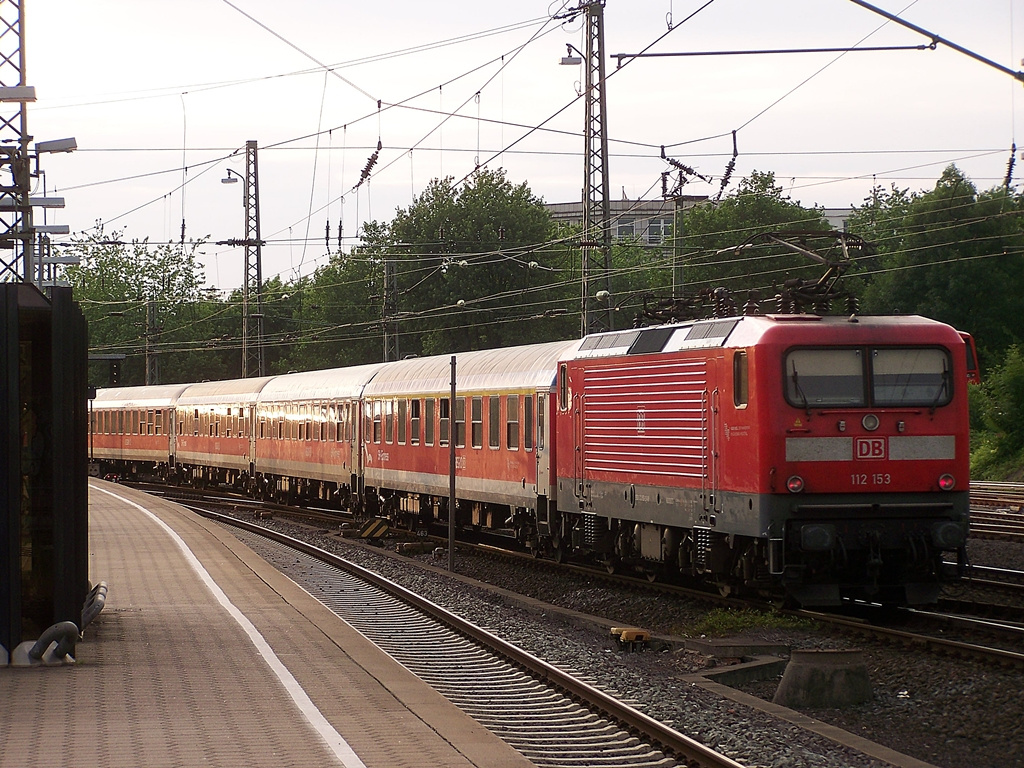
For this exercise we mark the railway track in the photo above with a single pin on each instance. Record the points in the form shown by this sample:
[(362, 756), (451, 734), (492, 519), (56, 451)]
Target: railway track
[(996, 511), (956, 620), (550, 716)]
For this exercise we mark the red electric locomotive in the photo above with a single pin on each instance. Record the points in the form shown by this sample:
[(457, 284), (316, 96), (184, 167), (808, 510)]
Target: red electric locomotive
[(827, 454)]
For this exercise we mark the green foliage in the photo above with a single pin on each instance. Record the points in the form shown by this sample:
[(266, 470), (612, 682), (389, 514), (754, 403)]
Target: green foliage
[(711, 233), (135, 295), (469, 264), (721, 622), (952, 254), (999, 401)]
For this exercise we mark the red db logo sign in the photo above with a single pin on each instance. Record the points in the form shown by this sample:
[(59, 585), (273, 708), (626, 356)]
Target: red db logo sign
[(869, 448)]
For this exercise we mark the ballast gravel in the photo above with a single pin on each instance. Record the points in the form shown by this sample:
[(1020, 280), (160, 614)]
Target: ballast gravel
[(937, 710)]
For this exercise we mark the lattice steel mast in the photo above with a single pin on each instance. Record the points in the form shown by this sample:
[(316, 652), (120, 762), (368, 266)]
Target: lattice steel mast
[(15, 170), (596, 244), (253, 356)]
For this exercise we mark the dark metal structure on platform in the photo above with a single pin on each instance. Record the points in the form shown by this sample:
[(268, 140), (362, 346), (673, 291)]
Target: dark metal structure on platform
[(44, 567)]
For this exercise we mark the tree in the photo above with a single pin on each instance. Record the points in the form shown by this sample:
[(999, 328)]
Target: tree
[(952, 254), (137, 297), (712, 232), (466, 267)]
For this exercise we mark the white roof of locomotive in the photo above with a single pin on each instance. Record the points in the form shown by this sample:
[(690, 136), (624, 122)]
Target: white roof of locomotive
[(531, 367), (156, 396)]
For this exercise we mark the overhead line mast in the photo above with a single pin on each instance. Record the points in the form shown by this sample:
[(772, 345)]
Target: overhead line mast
[(253, 357), (15, 207), (596, 243)]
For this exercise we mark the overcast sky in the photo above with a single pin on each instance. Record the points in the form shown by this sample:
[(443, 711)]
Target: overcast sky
[(162, 98)]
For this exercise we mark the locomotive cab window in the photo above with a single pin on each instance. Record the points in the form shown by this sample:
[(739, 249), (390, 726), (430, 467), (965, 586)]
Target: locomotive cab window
[(908, 376), (819, 378), (861, 377)]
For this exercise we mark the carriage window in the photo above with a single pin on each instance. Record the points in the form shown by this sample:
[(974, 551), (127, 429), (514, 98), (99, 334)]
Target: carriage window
[(740, 388), (460, 422), (908, 376), (414, 422), (512, 422), (376, 421), (825, 377), (563, 387), (478, 422), (403, 410), (528, 422), (428, 421), (389, 421), (494, 421), (444, 420), (541, 399)]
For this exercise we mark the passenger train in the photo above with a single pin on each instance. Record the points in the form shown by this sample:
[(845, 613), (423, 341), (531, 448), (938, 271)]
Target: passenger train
[(822, 457)]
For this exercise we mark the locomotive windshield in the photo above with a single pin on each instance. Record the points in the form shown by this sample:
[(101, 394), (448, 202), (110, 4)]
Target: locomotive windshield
[(859, 377)]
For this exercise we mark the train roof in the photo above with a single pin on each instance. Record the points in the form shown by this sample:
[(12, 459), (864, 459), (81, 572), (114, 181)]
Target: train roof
[(748, 330), (320, 385), (217, 392), (531, 367), (155, 396)]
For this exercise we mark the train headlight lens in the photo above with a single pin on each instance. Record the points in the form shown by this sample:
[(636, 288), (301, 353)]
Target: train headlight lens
[(870, 422), (817, 537), (795, 484), (947, 482)]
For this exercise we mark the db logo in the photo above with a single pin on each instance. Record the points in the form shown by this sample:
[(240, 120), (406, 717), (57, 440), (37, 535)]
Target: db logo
[(869, 448)]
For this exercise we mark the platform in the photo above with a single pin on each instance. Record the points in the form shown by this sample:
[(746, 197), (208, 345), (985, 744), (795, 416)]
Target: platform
[(205, 655)]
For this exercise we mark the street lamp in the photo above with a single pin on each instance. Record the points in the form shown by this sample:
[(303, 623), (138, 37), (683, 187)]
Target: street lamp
[(231, 179)]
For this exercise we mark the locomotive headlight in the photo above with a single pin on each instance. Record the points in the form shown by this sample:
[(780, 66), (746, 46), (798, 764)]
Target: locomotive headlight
[(870, 422), (947, 482), (795, 484), (817, 537)]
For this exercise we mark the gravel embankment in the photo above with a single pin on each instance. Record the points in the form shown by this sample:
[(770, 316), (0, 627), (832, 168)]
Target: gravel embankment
[(946, 712)]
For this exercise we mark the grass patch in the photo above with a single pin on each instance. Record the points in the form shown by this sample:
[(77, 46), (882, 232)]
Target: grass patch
[(722, 622)]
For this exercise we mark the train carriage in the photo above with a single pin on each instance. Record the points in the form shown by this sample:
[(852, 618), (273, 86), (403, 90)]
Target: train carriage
[(308, 433), (214, 440), (134, 426), (498, 421)]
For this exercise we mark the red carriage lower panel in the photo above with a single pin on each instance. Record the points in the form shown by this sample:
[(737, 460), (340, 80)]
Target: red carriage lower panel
[(225, 452), (316, 460), (510, 492)]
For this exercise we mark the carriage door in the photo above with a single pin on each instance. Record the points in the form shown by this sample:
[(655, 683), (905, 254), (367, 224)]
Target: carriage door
[(250, 432), (578, 421), (710, 445)]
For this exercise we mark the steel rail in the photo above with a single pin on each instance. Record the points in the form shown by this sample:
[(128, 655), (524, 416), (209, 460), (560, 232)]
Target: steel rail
[(658, 733)]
